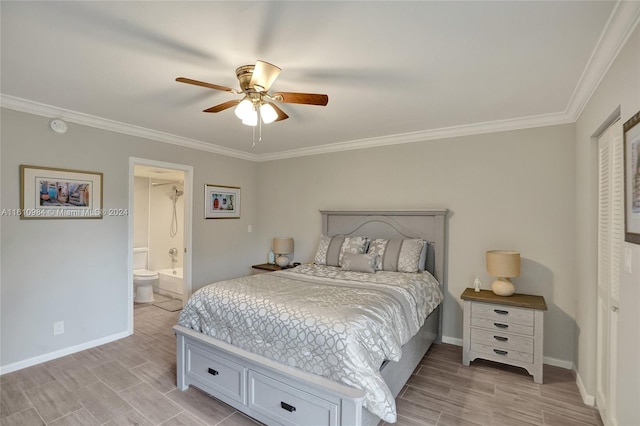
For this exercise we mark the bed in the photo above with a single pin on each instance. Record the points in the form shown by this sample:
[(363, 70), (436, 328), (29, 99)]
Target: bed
[(279, 383)]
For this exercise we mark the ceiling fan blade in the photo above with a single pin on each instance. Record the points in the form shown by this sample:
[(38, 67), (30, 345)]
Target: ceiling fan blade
[(203, 84), (302, 98), (264, 74), (223, 106), (281, 114)]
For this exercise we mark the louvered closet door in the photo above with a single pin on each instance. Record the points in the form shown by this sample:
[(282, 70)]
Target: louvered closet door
[(610, 237)]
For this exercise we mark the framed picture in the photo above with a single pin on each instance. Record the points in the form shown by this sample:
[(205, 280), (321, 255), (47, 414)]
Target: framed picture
[(221, 202), (632, 179), (51, 193)]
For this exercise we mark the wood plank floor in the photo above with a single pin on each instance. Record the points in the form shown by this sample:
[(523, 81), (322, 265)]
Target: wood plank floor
[(132, 382)]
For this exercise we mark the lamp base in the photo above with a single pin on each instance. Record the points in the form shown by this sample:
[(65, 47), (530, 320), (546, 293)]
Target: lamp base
[(282, 261), (503, 287)]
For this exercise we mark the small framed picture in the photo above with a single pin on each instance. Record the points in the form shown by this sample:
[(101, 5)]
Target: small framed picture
[(52, 193), (632, 179), (221, 202)]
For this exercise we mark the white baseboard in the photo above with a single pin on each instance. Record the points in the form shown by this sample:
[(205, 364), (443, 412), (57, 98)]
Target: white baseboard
[(547, 360), (60, 353), (452, 340), (586, 398), (559, 363)]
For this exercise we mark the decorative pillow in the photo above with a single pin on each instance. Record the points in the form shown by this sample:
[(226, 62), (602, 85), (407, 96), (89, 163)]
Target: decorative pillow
[(359, 262), (397, 255), (422, 263), (331, 250)]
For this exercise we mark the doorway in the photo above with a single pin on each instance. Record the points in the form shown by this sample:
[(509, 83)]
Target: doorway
[(610, 237), (160, 233)]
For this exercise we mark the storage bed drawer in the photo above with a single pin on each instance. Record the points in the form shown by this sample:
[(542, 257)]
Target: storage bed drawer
[(216, 373), (288, 405)]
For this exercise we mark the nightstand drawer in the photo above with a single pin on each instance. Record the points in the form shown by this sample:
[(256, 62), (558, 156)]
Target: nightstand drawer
[(503, 326), (502, 313), (502, 340), (502, 353)]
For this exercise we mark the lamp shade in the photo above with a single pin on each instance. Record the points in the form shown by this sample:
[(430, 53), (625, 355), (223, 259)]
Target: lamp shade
[(244, 109), (503, 263), (251, 118), (283, 245), (268, 114)]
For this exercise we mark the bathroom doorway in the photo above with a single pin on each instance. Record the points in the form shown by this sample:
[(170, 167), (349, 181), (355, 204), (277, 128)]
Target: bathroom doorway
[(160, 202)]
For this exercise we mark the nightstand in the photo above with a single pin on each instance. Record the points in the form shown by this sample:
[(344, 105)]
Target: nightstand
[(265, 267), (504, 329)]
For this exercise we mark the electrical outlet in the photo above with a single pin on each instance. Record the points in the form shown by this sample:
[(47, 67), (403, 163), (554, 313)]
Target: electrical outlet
[(58, 328), (249, 228)]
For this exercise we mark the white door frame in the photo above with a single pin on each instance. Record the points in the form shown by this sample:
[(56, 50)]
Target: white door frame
[(610, 154), (188, 215)]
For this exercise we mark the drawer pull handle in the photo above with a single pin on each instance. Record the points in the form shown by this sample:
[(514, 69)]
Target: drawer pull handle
[(501, 312), (501, 339), (497, 324), (289, 408), (213, 372), (499, 352)]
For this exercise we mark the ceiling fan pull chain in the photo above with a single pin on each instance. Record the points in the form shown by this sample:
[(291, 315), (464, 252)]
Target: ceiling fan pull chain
[(253, 137), (259, 124)]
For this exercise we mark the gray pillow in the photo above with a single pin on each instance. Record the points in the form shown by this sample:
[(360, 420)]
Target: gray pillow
[(331, 250), (359, 262), (401, 255)]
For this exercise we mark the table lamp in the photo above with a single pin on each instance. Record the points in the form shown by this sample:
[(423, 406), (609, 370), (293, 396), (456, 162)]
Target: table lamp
[(503, 264), (281, 247)]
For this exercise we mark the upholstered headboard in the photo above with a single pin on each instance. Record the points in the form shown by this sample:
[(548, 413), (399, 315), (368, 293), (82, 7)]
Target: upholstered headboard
[(429, 225)]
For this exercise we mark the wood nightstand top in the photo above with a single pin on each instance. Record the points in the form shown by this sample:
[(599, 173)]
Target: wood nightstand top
[(517, 299), (268, 267)]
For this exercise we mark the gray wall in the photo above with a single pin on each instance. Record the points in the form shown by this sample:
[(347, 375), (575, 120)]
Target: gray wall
[(510, 190), (620, 87), (76, 270), (531, 190)]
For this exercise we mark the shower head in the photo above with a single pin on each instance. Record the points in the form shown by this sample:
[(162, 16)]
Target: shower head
[(175, 192)]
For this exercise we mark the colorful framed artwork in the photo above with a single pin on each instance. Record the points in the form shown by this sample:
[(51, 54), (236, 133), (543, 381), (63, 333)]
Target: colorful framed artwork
[(221, 202), (632, 179), (52, 193)]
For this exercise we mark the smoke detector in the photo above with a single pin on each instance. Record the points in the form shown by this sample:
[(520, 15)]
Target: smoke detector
[(58, 126)]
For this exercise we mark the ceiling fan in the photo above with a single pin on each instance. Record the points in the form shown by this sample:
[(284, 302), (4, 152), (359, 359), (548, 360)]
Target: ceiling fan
[(257, 103)]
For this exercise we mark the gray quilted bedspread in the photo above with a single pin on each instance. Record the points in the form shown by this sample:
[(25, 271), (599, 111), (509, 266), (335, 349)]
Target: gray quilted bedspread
[(337, 324)]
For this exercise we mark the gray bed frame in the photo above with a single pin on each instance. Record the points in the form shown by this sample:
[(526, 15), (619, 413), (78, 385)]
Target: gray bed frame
[(259, 386)]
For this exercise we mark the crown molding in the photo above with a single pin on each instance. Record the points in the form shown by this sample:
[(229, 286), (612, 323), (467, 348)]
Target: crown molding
[(426, 135), (622, 22), (31, 107), (44, 110)]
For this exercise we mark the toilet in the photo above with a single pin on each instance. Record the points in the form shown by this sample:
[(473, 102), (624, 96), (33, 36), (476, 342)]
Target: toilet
[(143, 279)]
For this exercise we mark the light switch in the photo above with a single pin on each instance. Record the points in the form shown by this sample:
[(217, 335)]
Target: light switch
[(249, 228), (627, 260)]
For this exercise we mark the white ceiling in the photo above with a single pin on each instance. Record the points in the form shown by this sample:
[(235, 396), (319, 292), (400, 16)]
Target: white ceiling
[(393, 70)]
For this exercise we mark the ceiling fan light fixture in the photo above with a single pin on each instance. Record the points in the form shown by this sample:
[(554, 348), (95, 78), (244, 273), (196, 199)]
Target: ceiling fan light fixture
[(251, 118), (257, 106), (268, 114), (244, 109)]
